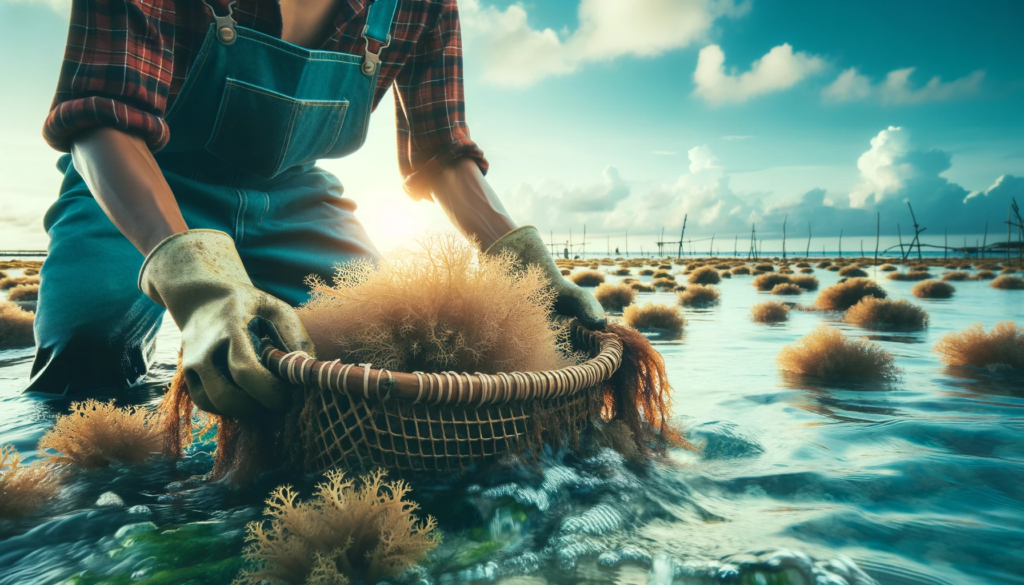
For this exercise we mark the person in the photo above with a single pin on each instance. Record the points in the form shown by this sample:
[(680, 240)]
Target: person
[(192, 131)]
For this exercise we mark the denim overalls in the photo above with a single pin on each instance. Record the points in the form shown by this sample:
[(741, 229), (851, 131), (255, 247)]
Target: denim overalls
[(250, 121)]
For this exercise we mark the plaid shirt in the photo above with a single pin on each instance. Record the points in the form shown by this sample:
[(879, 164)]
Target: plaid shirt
[(126, 60)]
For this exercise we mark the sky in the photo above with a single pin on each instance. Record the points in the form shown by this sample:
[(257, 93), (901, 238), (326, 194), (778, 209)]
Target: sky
[(628, 116)]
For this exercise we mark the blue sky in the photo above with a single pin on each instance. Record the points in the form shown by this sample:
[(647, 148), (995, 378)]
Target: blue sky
[(628, 115)]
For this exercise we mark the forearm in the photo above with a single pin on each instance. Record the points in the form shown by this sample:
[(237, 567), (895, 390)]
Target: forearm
[(126, 181), (470, 203)]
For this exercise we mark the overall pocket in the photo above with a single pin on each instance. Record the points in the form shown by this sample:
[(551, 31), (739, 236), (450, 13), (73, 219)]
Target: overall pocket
[(265, 132)]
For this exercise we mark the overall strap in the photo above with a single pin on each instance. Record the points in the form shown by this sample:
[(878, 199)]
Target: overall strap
[(378, 24)]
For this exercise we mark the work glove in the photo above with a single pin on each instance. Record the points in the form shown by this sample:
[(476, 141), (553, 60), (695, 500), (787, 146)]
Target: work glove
[(199, 277), (526, 244)]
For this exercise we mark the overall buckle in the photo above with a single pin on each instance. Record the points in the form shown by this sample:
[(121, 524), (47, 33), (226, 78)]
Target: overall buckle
[(371, 61), (225, 25)]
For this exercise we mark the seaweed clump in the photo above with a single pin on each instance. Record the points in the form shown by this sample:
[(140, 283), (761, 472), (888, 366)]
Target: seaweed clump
[(24, 488), (847, 293), (347, 532), (439, 308), (826, 352), (24, 292), (787, 288), (655, 317), (13, 281), (770, 312), (1004, 345), (1006, 282), (699, 295), (587, 278), (887, 314), (15, 326), (768, 281), (933, 289), (704, 275), (614, 297), (96, 434)]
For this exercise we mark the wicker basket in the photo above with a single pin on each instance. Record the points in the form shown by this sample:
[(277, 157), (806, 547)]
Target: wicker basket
[(419, 423)]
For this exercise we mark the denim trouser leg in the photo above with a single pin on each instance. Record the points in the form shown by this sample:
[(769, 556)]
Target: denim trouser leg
[(95, 329)]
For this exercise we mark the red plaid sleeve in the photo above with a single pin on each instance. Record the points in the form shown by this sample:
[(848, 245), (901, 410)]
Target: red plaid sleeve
[(431, 110), (116, 72)]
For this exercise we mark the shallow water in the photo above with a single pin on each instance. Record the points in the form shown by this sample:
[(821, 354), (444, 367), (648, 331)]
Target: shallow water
[(799, 481)]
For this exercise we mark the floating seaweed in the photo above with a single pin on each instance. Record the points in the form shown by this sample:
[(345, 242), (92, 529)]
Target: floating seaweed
[(24, 488), (1002, 345), (587, 278), (786, 288), (770, 312), (15, 326), (654, 316), (845, 294), (96, 434), (825, 351), (614, 297), (699, 295), (704, 275), (1008, 283), (809, 283), (24, 292), (348, 532), (768, 281), (887, 314), (933, 289)]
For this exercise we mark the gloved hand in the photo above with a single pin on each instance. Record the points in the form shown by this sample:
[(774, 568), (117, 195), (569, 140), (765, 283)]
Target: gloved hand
[(199, 277), (526, 244)]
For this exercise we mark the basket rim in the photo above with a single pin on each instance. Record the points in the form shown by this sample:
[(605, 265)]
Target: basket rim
[(451, 388)]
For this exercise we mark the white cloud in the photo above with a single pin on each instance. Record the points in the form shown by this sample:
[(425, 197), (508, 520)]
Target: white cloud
[(893, 171), (779, 69), (849, 86), (516, 54), (702, 159), (897, 88), (883, 168)]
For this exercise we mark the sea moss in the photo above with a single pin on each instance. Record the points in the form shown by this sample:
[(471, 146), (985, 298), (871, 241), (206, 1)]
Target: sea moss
[(349, 531), (770, 312), (15, 326), (699, 295), (826, 352), (887, 314), (614, 297), (96, 434), (845, 294), (1003, 344)]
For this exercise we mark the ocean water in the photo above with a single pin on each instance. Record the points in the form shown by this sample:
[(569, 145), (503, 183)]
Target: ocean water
[(799, 481)]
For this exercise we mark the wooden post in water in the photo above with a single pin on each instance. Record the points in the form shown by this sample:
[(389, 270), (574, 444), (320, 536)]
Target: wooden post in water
[(840, 243), (711, 248), (808, 252), (752, 253), (984, 241), (899, 233), (736, 243), (878, 234), (681, 234), (1008, 236), (784, 236)]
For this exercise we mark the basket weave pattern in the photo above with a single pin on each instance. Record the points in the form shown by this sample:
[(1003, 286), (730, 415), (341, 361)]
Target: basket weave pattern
[(421, 423)]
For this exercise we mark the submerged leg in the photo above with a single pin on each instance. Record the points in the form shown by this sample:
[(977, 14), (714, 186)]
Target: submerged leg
[(94, 328)]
